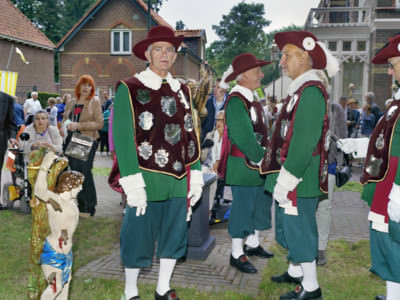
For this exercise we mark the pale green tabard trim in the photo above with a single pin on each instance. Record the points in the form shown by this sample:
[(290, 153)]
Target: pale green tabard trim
[(158, 186), (240, 133)]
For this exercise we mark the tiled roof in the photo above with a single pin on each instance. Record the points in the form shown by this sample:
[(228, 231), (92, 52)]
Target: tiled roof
[(190, 32), (155, 16), (14, 25)]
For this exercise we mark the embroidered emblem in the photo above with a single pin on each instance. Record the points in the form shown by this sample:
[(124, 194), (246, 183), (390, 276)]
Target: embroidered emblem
[(191, 149), (177, 166), (308, 43), (284, 128), (278, 156), (292, 102), (324, 173), (143, 96), (146, 120), (374, 166), (253, 115), (172, 133), (390, 113), (183, 99), (188, 122), (327, 140), (161, 158), (168, 105), (380, 141), (145, 150)]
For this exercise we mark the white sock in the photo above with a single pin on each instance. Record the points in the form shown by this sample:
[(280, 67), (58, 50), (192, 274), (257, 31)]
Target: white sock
[(310, 282), (131, 278), (294, 270), (237, 248), (392, 290), (253, 240), (167, 266)]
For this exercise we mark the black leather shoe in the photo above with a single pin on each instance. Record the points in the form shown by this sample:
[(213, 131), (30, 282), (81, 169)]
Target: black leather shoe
[(299, 293), (243, 264), (380, 297), (258, 251), (170, 295), (286, 278), (135, 298)]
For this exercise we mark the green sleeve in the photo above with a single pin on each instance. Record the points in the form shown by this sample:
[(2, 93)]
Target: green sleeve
[(124, 134), (240, 130), (307, 130)]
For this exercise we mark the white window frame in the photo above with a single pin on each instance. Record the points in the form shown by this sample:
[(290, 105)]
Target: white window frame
[(121, 42)]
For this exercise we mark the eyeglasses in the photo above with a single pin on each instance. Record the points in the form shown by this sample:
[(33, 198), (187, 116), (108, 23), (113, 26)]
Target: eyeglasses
[(390, 64)]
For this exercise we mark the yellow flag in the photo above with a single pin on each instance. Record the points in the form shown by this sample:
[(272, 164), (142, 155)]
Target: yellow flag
[(8, 82), (21, 55)]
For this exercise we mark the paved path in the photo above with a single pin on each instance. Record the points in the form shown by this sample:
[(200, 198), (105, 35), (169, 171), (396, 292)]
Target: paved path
[(349, 222)]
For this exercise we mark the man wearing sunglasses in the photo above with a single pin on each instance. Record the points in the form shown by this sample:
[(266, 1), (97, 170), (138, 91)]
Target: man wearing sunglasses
[(381, 180)]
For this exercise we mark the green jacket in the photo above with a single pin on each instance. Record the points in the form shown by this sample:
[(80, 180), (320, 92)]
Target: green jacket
[(307, 131), (240, 133)]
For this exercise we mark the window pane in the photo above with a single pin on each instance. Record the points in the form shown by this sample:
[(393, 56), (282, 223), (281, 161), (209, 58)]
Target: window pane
[(361, 45), (126, 42), (332, 46), (116, 42), (347, 46)]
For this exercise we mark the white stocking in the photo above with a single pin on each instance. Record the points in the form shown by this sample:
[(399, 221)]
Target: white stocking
[(253, 240), (392, 290), (237, 248), (294, 270), (131, 279), (310, 282), (167, 266)]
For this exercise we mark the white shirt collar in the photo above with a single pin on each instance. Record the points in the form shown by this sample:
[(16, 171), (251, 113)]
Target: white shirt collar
[(153, 81), (303, 78), (247, 93)]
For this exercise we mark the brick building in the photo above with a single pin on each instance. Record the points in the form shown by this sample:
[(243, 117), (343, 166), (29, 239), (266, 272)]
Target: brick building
[(100, 44), (17, 31)]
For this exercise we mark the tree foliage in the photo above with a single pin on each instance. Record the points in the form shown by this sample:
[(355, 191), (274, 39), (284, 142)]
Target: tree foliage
[(242, 30), (180, 25)]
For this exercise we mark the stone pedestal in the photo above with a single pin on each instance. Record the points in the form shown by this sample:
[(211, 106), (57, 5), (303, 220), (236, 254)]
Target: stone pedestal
[(200, 242)]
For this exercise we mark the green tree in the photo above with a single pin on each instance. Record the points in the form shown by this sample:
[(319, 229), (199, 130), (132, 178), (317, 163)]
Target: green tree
[(180, 25), (242, 30), (73, 11)]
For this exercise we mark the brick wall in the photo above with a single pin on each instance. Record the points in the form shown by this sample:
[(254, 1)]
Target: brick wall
[(89, 50), (39, 72)]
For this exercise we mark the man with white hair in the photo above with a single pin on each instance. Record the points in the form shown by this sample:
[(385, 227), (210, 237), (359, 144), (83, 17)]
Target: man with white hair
[(31, 106), (369, 98)]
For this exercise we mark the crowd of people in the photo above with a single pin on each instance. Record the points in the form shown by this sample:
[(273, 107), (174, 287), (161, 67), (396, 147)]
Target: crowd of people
[(283, 153)]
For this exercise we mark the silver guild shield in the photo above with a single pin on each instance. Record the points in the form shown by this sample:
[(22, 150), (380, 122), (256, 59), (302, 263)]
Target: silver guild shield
[(253, 115), (188, 122), (145, 150), (161, 158), (168, 106), (146, 120), (172, 133), (374, 166)]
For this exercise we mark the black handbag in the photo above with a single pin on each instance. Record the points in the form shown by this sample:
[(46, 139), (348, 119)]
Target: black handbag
[(343, 175)]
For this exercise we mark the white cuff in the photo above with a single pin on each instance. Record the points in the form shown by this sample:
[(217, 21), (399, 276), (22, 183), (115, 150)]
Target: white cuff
[(394, 195), (288, 180), (132, 182), (196, 177)]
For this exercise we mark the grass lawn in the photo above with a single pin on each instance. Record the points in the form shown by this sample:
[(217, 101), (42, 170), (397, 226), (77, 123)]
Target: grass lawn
[(346, 275)]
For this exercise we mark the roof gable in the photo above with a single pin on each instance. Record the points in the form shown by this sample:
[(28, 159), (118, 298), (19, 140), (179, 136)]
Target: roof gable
[(15, 26), (140, 4)]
